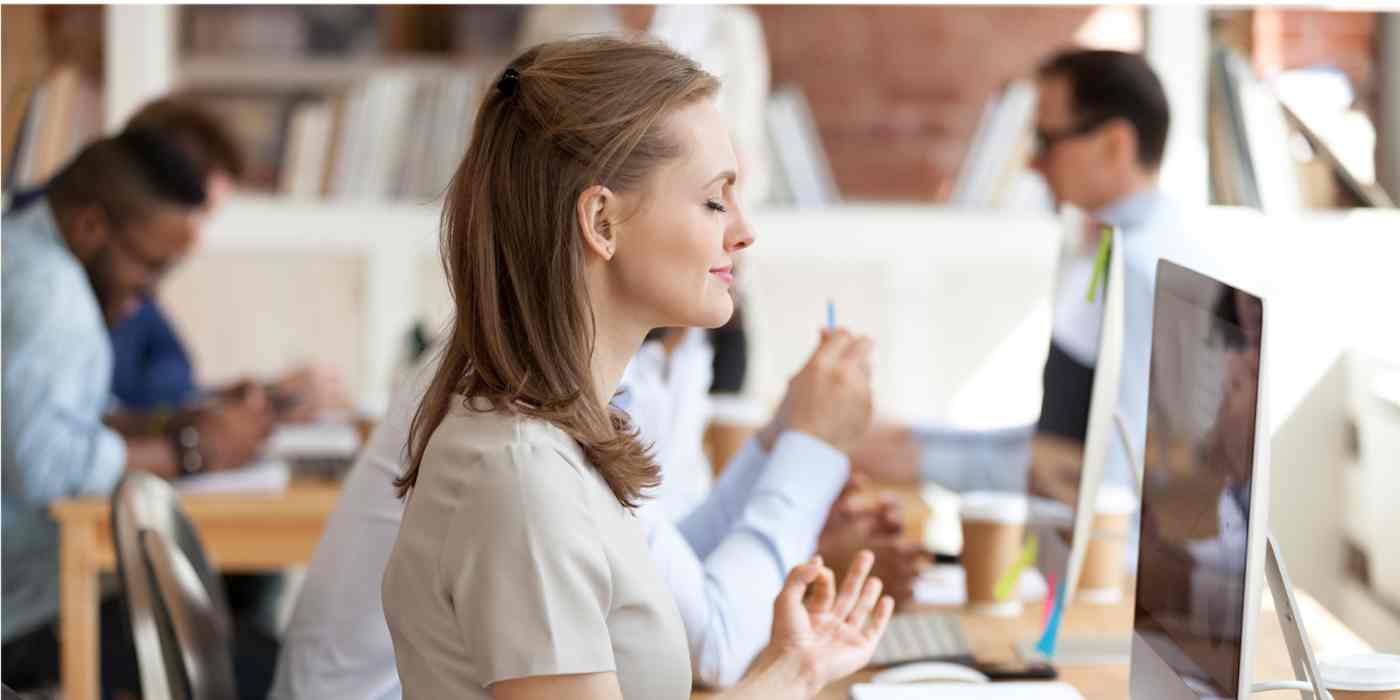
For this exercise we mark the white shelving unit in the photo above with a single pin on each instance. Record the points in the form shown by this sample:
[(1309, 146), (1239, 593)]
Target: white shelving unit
[(310, 73)]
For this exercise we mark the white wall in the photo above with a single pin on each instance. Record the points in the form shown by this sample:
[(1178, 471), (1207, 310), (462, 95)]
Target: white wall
[(957, 302)]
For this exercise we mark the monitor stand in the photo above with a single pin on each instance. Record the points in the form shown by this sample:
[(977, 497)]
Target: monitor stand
[(1096, 650), (1105, 650), (1306, 679), (1108, 649)]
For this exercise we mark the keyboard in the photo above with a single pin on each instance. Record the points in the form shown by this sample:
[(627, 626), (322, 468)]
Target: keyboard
[(922, 637)]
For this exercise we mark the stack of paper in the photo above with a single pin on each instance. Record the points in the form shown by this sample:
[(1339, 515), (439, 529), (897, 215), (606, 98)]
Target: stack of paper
[(329, 439), (263, 476)]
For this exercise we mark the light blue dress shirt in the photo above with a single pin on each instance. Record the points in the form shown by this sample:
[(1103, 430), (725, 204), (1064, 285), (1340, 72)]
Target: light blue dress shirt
[(966, 460), (57, 384)]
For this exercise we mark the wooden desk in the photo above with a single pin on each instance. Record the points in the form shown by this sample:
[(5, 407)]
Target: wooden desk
[(996, 638), (241, 533)]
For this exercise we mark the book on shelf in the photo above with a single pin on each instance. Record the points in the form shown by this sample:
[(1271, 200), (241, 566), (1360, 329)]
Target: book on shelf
[(398, 133), (308, 149), (280, 31), (61, 114)]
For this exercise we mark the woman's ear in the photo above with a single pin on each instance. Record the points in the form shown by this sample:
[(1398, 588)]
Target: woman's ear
[(597, 210)]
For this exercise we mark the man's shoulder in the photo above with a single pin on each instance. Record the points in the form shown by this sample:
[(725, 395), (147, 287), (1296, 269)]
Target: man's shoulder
[(33, 256), (42, 281)]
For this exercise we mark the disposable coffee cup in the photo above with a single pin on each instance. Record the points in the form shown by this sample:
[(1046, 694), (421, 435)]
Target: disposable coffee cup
[(1361, 676), (993, 526), (1101, 578)]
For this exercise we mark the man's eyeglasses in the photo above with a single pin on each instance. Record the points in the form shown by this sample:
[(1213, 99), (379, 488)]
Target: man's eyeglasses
[(1046, 140)]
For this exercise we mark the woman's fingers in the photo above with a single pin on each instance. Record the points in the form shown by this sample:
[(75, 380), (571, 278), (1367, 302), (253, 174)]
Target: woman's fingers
[(822, 592), (794, 592), (869, 596), (881, 620), (853, 583)]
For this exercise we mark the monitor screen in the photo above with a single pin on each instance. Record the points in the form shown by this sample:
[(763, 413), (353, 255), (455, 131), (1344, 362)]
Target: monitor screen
[(1202, 402)]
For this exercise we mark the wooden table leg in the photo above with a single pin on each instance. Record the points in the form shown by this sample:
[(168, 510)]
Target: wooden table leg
[(80, 664)]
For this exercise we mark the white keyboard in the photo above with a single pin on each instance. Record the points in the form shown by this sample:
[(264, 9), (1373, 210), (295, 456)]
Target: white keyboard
[(922, 637)]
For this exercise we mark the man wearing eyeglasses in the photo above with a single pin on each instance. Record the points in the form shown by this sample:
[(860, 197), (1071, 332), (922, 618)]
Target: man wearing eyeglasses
[(75, 262), (1100, 130)]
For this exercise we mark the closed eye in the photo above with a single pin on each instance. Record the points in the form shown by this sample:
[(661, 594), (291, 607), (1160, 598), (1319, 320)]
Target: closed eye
[(715, 205)]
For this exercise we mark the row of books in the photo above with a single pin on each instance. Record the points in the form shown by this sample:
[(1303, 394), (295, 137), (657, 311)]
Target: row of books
[(296, 31), (395, 135), (280, 30), (50, 122)]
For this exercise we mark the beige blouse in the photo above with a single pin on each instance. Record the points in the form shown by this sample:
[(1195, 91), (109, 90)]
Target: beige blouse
[(514, 559)]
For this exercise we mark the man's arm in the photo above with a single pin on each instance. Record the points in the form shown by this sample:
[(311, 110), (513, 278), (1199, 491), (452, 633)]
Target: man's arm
[(56, 379), (725, 594), (709, 523)]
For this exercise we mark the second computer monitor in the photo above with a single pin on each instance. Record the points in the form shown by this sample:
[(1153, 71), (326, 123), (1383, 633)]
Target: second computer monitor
[(1203, 523)]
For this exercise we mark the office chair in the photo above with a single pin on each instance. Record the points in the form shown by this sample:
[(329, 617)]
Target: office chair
[(202, 633), (145, 502)]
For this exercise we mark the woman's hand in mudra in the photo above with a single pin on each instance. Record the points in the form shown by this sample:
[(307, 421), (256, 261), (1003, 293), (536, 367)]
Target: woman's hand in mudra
[(829, 633)]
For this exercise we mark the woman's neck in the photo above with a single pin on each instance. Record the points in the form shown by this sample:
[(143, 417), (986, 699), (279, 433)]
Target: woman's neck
[(616, 342)]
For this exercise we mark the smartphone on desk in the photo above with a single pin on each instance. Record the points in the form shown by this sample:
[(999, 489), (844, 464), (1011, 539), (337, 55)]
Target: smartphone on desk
[(1016, 670), (280, 400)]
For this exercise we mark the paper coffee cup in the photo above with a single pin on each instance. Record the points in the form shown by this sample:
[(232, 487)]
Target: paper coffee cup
[(1101, 578), (993, 526), (1361, 676)]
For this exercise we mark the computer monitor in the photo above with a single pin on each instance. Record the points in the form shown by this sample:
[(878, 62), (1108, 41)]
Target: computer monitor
[(1065, 527), (1103, 404), (1205, 493)]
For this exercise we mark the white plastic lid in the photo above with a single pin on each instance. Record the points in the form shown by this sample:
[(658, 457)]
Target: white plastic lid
[(1363, 672), (1116, 500), (995, 506)]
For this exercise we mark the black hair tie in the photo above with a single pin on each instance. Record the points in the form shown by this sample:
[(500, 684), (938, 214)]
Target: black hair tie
[(509, 83)]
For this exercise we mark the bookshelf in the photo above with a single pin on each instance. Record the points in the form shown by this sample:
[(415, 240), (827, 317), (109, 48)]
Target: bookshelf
[(216, 72), (372, 258), (357, 101)]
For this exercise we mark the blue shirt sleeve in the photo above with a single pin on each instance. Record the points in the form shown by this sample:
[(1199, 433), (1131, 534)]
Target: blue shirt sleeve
[(55, 443)]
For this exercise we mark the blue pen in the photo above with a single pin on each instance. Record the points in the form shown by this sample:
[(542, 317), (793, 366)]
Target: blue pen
[(830, 315)]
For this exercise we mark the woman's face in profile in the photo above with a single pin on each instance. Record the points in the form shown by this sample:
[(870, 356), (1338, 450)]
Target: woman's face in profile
[(675, 254)]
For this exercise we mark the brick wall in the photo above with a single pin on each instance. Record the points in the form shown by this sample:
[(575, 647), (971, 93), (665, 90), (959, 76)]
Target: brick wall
[(1298, 38), (1287, 39), (897, 91)]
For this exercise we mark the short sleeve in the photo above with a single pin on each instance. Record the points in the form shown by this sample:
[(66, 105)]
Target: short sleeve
[(530, 583)]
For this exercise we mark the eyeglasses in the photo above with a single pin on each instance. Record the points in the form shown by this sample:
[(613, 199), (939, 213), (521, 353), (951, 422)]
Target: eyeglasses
[(1046, 140)]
